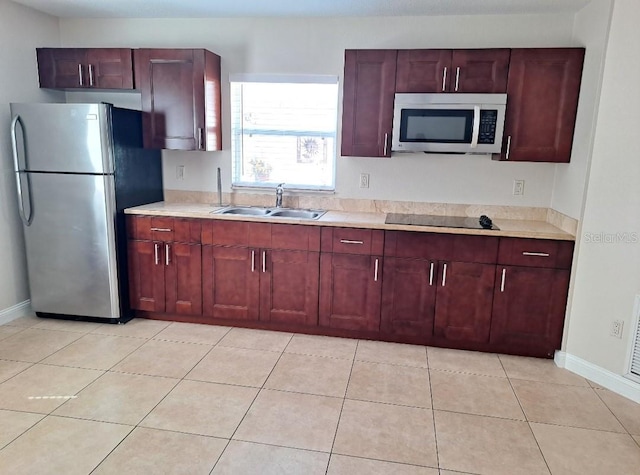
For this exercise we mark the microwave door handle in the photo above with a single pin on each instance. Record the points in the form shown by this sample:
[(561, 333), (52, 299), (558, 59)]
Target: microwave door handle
[(476, 127)]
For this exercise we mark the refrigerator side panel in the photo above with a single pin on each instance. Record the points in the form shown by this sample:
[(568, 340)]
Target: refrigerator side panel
[(71, 246), (65, 138), (138, 180)]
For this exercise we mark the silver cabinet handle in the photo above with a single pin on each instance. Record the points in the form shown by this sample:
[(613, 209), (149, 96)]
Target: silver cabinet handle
[(476, 127), (375, 270), (167, 259), (161, 230), (200, 138), (91, 75), (386, 141), (504, 273), (80, 75), (349, 241), (444, 275), (264, 261), (537, 254), (506, 155), (16, 167), (431, 274), (457, 78), (156, 252), (253, 260), (444, 79)]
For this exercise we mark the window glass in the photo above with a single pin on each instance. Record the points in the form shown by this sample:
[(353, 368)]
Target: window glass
[(284, 132)]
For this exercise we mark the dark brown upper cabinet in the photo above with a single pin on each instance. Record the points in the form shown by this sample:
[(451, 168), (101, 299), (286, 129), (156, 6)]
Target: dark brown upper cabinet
[(180, 91), (85, 68), (367, 108), (543, 90), (445, 70)]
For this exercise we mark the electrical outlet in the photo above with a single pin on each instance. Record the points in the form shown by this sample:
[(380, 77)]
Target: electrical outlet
[(180, 172), (364, 180), (616, 328), (518, 187)]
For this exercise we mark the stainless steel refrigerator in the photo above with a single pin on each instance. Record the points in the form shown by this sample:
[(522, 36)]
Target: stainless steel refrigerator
[(78, 166)]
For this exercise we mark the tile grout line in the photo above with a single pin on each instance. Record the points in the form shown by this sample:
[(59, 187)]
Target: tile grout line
[(433, 412), (613, 413), (344, 399), (137, 425), (44, 416), (526, 418), (260, 389)]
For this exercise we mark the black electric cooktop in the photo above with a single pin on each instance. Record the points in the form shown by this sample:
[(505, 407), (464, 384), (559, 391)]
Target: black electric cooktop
[(441, 221)]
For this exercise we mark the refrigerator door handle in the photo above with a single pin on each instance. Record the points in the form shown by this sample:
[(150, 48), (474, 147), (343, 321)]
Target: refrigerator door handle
[(16, 167)]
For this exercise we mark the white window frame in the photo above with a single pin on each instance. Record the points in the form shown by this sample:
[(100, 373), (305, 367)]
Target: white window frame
[(236, 157)]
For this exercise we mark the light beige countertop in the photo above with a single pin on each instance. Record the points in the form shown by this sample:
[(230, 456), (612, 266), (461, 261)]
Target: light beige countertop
[(508, 227)]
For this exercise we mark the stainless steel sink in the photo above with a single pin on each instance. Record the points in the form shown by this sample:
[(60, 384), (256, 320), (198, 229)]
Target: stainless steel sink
[(245, 210), (262, 212), (297, 213)]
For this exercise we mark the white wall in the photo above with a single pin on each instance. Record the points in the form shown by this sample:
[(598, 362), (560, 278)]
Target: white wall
[(21, 31), (316, 46), (607, 276), (591, 30)]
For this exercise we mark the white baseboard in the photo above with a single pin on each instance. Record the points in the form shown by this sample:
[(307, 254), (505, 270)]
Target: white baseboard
[(19, 310), (605, 378)]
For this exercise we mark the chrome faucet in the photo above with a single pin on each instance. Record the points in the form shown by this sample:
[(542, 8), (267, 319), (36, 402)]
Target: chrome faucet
[(279, 193)]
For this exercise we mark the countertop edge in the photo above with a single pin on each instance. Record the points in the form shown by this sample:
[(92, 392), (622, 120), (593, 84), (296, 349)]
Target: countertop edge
[(508, 227)]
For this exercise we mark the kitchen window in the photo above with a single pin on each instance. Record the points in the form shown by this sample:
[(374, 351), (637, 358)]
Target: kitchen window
[(283, 130)]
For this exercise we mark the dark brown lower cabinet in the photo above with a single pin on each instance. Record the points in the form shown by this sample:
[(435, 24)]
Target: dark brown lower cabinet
[(470, 292), (408, 297), (231, 283), (146, 277), (529, 305), (289, 286), (350, 291), (450, 300), (261, 284), (463, 301), (165, 277)]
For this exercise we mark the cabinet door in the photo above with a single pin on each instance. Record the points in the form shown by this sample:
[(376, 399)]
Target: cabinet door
[(172, 83), (231, 282), (109, 68), (61, 67), (350, 291), (479, 70), (289, 286), (463, 301), (408, 296), (543, 93), (423, 70), (367, 110), (183, 278), (528, 308), (146, 275)]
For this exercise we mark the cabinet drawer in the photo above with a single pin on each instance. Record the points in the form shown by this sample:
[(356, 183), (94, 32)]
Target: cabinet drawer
[(295, 237), (352, 241), (454, 247), (535, 253), (161, 228), (236, 233)]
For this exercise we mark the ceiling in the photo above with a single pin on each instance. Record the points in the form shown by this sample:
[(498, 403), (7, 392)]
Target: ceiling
[(294, 8)]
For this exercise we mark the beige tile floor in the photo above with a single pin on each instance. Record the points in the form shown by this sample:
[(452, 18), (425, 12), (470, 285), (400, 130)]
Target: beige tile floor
[(154, 397)]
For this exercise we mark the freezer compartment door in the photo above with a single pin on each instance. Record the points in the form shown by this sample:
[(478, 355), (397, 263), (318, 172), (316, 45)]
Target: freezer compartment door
[(65, 138), (71, 249)]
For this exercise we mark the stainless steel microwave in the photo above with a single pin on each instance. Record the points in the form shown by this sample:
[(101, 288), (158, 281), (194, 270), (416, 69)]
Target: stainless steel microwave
[(448, 123)]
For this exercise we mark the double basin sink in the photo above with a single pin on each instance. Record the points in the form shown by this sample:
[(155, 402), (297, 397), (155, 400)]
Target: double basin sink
[(262, 212)]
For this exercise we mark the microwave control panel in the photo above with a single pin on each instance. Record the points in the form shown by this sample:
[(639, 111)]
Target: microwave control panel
[(488, 120)]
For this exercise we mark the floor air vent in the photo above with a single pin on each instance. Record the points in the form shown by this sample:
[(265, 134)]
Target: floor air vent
[(634, 363)]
